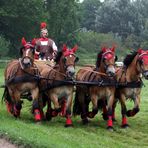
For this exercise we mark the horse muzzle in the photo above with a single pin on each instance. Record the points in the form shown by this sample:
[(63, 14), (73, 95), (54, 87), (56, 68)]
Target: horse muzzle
[(70, 71), (27, 62), (110, 72)]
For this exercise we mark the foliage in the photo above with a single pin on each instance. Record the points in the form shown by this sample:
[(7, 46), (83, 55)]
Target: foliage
[(18, 19), (90, 44), (89, 14), (63, 20), (4, 46)]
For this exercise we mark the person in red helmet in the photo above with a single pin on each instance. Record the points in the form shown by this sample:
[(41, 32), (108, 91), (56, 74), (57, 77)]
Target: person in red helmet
[(46, 48)]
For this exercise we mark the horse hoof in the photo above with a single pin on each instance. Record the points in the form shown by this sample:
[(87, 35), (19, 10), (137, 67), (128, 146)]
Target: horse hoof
[(90, 115), (48, 117), (38, 122), (68, 125), (128, 113), (105, 117), (110, 128), (125, 126), (85, 121), (16, 116), (114, 120)]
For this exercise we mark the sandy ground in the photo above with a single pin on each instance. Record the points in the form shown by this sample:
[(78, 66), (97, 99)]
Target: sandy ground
[(5, 144)]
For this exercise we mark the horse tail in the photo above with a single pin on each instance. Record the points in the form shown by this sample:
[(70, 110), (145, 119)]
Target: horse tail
[(76, 106), (6, 96)]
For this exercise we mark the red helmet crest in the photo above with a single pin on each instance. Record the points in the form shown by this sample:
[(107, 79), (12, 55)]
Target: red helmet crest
[(43, 25)]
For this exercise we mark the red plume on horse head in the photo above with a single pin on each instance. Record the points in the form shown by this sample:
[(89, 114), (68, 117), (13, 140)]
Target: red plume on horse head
[(64, 48), (140, 51), (24, 41), (75, 48), (33, 42), (66, 51)]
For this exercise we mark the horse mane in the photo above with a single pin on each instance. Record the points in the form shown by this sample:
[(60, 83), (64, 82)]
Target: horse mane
[(129, 58), (99, 56), (58, 56)]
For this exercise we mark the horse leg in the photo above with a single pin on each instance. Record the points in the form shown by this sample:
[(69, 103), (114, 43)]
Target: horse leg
[(57, 108), (49, 110), (94, 100), (68, 111), (102, 105), (109, 106), (36, 109), (81, 103), (123, 112), (8, 100), (84, 105), (135, 110), (113, 109), (63, 107), (17, 104)]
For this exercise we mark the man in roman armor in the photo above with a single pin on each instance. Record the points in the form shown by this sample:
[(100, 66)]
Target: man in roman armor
[(46, 48)]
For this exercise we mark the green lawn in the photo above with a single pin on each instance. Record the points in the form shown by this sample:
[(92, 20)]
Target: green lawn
[(53, 134)]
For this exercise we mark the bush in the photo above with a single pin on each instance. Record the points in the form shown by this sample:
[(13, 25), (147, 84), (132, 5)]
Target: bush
[(90, 44), (4, 47)]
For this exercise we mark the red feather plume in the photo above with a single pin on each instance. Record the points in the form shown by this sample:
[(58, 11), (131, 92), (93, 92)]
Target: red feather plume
[(64, 48), (23, 41), (43, 25), (74, 49)]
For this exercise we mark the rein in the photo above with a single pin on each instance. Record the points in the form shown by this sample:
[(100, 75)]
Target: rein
[(100, 73)]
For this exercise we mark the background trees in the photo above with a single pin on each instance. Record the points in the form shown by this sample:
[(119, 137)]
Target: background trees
[(71, 22)]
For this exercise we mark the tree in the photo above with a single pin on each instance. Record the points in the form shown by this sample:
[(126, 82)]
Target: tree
[(18, 18), (89, 14), (63, 20)]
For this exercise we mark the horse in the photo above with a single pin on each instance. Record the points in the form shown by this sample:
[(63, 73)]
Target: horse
[(54, 84), (21, 77), (101, 86), (130, 83)]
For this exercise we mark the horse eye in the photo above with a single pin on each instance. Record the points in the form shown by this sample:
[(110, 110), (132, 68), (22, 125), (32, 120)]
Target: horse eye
[(141, 62), (104, 59), (77, 59), (116, 58), (64, 60)]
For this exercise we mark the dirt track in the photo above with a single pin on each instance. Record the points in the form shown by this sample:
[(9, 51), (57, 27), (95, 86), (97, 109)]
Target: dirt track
[(5, 144)]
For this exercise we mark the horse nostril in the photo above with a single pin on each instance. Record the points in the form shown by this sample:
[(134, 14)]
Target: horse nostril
[(110, 73), (71, 73)]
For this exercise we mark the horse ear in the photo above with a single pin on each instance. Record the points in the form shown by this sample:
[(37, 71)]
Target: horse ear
[(140, 51), (113, 49), (33, 42), (23, 41), (103, 49), (64, 48), (75, 48)]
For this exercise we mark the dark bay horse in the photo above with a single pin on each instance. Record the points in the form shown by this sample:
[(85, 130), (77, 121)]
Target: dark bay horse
[(103, 73), (130, 83), (54, 85), (20, 78)]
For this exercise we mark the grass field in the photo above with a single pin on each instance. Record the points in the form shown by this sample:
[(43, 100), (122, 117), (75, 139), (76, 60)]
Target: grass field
[(53, 134)]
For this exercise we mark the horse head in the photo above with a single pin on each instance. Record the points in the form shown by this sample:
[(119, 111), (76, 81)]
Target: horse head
[(27, 53), (108, 60), (69, 59), (143, 62)]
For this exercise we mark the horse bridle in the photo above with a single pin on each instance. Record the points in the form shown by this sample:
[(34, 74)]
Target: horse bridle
[(67, 65), (141, 62), (107, 65), (26, 56)]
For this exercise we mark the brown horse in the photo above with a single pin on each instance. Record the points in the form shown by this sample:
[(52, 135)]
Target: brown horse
[(21, 77), (54, 85), (101, 86), (130, 83)]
